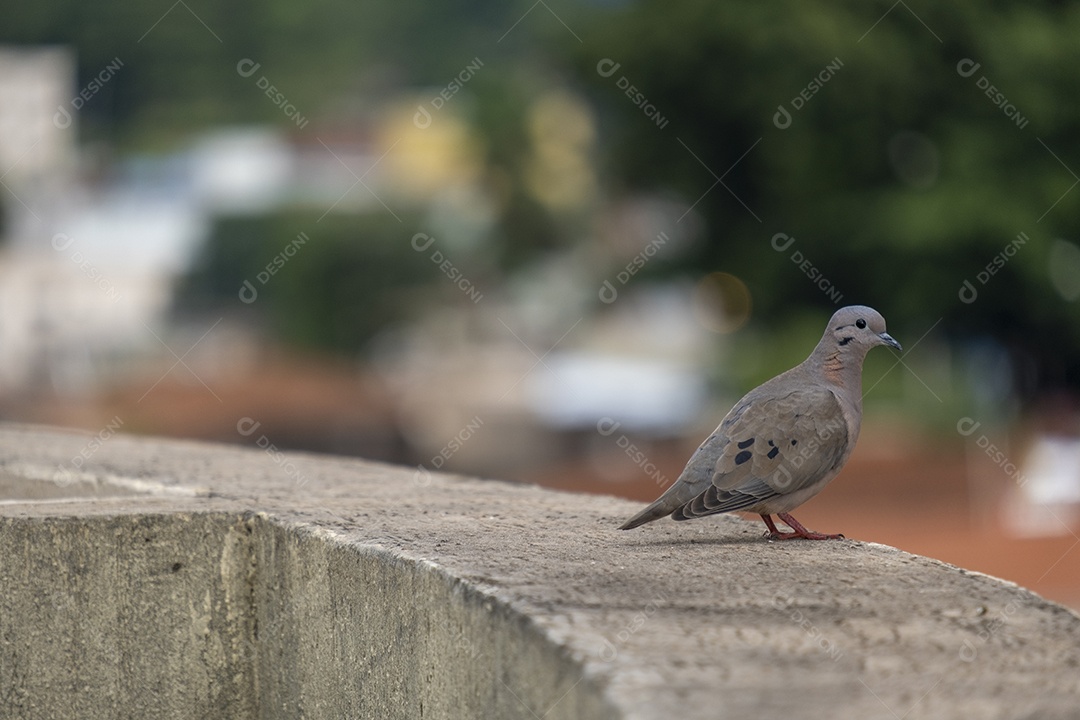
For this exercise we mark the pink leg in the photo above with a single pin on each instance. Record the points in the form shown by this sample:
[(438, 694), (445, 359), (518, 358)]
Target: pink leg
[(798, 530), (772, 532)]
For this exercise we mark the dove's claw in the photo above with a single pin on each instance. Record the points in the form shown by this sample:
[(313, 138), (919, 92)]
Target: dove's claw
[(798, 531)]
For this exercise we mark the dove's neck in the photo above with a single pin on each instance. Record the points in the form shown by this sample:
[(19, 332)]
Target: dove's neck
[(841, 368)]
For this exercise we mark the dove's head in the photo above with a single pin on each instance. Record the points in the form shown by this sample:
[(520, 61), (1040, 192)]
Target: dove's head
[(859, 328)]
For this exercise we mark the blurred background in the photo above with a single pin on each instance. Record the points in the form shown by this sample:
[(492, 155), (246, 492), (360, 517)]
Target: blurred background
[(553, 242)]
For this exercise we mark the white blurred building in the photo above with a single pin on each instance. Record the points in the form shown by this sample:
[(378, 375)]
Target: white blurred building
[(35, 83), (87, 268), (82, 272)]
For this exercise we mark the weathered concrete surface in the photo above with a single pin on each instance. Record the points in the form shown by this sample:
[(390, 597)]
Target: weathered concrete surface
[(134, 615), (201, 581)]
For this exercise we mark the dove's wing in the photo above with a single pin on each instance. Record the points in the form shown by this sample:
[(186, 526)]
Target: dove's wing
[(775, 445)]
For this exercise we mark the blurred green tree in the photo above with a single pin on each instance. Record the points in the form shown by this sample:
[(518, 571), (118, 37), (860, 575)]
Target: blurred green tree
[(327, 285), (898, 176)]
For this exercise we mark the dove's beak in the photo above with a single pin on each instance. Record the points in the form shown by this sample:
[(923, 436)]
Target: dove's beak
[(888, 339)]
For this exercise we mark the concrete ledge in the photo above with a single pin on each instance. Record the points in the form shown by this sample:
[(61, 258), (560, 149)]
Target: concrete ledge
[(170, 579)]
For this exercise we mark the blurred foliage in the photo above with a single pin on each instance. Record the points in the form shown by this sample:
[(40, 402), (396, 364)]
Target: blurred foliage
[(347, 278), (898, 178), (332, 59)]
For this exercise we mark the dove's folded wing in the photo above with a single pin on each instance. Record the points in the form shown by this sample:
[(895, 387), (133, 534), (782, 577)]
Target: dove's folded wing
[(776, 446)]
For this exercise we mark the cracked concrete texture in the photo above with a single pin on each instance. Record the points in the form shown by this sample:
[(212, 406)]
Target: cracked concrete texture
[(374, 591)]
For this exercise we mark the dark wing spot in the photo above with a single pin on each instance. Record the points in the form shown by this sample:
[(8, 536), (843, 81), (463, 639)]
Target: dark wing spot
[(773, 453), (742, 457), (746, 443), (846, 340)]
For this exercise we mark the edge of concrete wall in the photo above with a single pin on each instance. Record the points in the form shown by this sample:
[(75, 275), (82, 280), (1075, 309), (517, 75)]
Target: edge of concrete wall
[(370, 590)]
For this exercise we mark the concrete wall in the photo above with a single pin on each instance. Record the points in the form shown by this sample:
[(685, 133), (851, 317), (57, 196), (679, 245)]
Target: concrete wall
[(349, 631), (216, 615), (140, 616), (179, 580)]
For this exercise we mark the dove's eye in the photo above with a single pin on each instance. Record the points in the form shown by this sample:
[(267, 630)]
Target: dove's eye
[(860, 323)]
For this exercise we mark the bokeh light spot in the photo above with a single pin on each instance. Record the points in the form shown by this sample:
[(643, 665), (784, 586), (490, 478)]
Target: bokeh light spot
[(722, 302)]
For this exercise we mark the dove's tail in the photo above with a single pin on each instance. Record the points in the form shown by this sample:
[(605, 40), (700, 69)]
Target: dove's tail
[(662, 507)]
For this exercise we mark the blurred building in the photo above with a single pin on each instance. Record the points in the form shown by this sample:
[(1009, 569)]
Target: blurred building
[(89, 256)]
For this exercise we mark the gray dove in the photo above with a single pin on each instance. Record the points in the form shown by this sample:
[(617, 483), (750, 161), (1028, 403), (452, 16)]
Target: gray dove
[(786, 439)]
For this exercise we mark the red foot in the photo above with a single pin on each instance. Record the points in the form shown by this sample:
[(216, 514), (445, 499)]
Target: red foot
[(798, 530)]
